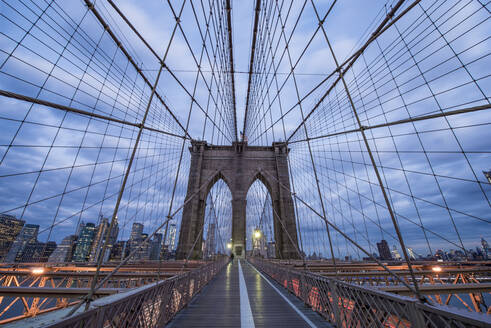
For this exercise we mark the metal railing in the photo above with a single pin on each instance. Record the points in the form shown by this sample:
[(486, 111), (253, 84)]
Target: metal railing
[(349, 305), (152, 305)]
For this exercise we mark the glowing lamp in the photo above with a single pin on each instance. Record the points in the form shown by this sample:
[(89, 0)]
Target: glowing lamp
[(37, 270), (257, 234), (229, 245), (436, 269)]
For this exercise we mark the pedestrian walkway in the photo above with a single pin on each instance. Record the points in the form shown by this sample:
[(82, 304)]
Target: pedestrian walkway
[(240, 296)]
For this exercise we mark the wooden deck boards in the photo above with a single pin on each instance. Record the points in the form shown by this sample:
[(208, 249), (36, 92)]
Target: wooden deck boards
[(218, 305)]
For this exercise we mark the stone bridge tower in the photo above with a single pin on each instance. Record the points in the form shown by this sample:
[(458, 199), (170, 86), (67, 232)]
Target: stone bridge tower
[(239, 166)]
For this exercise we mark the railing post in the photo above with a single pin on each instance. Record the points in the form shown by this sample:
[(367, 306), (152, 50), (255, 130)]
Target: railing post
[(335, 302), (415, 315)]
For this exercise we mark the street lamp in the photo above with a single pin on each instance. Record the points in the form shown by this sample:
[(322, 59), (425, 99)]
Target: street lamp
[(229, 245), (257, 234), (37, 270)]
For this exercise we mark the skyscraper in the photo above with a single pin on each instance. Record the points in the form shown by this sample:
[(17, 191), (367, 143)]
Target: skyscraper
[(10, 228), (84, 243), (136, 239), (36, 251), (136, 231), (80, 226), (119, 251), (171, 242), (100, 239), (143, 249), (155, 246), (210, 244), (383, 250), (28, 234), (64, 251)]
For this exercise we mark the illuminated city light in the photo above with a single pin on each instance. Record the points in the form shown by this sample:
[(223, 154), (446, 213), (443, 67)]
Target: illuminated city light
[(37, 270), (436, 269), (229, 245), (257, 234)]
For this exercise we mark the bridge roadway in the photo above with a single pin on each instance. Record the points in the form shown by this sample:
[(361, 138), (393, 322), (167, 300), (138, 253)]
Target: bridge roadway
[(240, 296)]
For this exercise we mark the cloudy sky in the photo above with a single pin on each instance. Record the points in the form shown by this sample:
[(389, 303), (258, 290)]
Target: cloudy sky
[(59, 168)]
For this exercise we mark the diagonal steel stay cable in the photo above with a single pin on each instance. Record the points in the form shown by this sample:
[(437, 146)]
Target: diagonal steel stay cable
[(340, 231), (216, 54), (314, 168), (434, 51), (91, 6), (71, 53), (380, 182), (85, 134), (384, 25), (201, 73), (128, 169), (263, 74), (231, 56), (187, 127), (98, 60), (348, 203), (287, 42), (132, 253), (414, 88), (165, 65), (399, 122), (251, 61), (48, 153), (300, 57), (284, 135)]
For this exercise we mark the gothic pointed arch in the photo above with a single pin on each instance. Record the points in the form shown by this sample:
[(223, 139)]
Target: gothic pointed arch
[(239, 166)]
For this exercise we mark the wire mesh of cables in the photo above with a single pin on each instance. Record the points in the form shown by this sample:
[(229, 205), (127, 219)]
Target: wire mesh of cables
[(260, 221), (217, 226), (97, 117), (389, 143), (397, 141)]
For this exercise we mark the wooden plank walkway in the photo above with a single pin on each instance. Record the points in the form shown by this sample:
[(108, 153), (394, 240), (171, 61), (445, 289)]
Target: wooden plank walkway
[(219, 303)]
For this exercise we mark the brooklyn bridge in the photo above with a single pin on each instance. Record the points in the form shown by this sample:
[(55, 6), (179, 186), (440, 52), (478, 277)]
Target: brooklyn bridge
[(262, 163)]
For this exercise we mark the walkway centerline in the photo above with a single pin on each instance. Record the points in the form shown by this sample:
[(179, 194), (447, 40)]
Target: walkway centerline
[(246, 319)]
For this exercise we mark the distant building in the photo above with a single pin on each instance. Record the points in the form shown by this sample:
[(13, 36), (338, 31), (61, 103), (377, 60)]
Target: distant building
[(84, 243), (487, 175), (28, 234), (171, 241), (484, 248), (143, 249), (10, 228), (384, 251), (210, 244), (80, 226), (100, 239), (136, 231), (136, 243), (64, 251), (155, 246), (395, 253), (37, 251), (119, 251)]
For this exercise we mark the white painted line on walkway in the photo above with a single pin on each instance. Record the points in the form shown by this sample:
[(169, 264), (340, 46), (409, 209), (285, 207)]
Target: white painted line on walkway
[(246, 319), (310, 323)]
